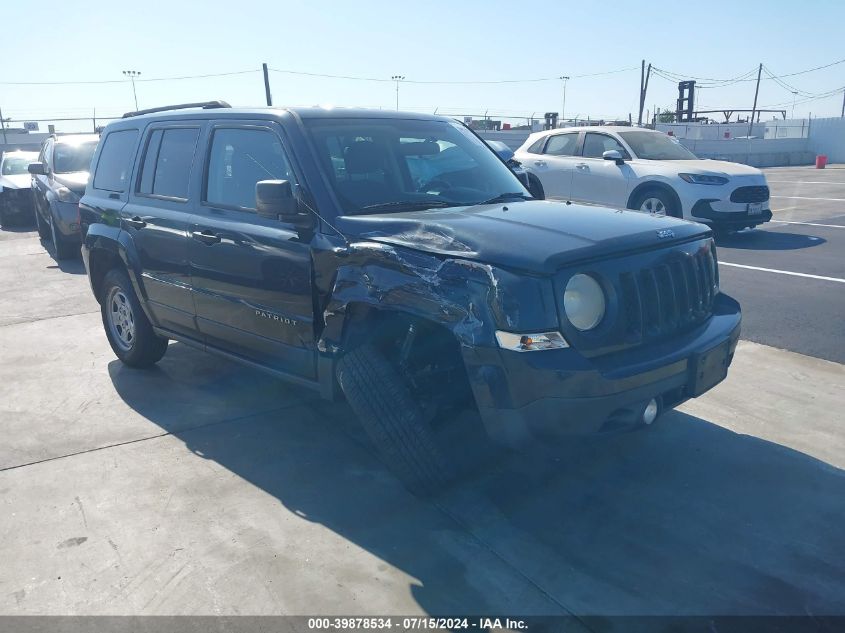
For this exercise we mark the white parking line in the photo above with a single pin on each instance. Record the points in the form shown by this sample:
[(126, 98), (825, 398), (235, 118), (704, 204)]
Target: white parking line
[(806, 198), (808, 182), (783, 272), (830, 226)]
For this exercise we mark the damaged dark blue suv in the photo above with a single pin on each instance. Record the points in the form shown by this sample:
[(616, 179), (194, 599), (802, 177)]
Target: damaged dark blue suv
[(395, 260)]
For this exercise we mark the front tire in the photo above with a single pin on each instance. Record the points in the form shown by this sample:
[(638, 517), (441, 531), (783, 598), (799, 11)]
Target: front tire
[(62, 248), (656, 202), (42, 226), (130, 333), (535, 188), (380, 397)]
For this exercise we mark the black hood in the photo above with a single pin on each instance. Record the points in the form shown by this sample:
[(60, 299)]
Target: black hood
[(75, 181), (538, 236)]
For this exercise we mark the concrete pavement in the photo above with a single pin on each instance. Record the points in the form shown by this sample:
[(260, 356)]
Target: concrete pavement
[(202, 487)]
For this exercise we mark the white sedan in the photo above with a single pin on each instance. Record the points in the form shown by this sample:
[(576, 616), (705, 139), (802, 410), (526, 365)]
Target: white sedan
[(642, 169)]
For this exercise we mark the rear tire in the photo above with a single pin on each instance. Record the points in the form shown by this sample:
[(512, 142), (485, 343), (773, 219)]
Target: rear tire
[(4, 218), (130, 333), (380, 398)]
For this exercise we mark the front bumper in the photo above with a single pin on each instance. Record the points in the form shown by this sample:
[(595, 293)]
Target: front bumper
[(17, 202), (703, 211), (558, 392)]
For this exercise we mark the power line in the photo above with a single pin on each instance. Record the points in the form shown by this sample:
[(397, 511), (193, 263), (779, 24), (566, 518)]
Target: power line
[(123, 81), (449, 82), (672, 76)]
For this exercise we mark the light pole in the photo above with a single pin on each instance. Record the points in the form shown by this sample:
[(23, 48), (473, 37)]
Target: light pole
[(794, 94), (564, 78), (132, 74), (397, 79)]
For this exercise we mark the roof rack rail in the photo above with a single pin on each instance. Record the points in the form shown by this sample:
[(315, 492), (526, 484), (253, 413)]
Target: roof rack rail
[(205, 105)]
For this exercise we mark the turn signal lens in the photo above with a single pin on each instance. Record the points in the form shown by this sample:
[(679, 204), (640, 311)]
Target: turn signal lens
[(530, 342)]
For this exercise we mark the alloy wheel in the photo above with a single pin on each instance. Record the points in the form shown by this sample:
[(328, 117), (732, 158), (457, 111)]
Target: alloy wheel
[(654, 206), (121, 319)]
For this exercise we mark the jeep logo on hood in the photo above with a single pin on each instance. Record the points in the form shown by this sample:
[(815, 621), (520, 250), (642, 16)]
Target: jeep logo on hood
[(664, 233)]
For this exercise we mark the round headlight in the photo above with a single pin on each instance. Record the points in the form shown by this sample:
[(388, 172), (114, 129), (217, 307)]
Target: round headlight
[(584, 302)]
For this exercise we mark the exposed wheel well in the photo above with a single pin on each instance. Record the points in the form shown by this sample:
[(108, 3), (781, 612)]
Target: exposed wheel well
[(656, 186), (100, 262), (426, 351)]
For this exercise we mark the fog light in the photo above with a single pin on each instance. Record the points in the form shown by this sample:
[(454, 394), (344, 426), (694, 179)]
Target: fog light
[(650, 412)]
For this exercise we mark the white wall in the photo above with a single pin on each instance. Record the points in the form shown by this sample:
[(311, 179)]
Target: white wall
[(827, 136)]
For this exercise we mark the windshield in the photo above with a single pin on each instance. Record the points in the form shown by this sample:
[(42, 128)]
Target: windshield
[(377, 165), (656, 146), (69, 158), (18, 164)]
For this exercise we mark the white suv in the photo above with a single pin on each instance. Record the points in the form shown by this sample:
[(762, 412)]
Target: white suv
[(642, 169)]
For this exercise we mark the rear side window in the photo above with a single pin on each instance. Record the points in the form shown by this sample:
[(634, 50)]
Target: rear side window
[(562, 144), (115, 163), (166, 170), (239, 158)]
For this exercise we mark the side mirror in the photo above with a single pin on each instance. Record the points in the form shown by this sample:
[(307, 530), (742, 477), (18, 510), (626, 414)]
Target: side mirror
[(37, 169), (614, 155), (274, 199)]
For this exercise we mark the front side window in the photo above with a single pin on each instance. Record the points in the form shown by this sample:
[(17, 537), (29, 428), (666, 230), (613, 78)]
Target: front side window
[(167, 164), (656, 146), (597, 144), (73, 157), (239, 158), (115, 162), (18, 164), (377, 165), (562, 144)]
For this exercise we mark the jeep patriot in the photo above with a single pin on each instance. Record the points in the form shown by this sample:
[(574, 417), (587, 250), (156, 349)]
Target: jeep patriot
[(393, 259)]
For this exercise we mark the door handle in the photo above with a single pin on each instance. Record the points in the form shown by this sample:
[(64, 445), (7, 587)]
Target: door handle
[(136, 222), (540, 163), (206, 237), (582, 166)]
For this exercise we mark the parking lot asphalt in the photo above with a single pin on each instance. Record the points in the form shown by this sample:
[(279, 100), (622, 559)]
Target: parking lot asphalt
[(202, 487), (807, 236)]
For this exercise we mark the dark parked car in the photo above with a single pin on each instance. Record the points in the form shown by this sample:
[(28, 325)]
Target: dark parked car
[(395, 260), (15, 194), (58, 181)]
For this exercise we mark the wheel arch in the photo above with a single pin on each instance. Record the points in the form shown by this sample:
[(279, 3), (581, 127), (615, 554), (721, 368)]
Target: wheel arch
[(107, 248), (656, 185)]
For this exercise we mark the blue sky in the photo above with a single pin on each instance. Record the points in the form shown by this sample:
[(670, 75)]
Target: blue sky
[(424, 41)]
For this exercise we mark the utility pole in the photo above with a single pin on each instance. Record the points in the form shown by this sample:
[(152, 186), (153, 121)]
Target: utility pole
[(643, 93), (132, 74), (794, 95), (3, 125), (756, 92), (267, 85), (397, 79), (565, 78), (843, 105)]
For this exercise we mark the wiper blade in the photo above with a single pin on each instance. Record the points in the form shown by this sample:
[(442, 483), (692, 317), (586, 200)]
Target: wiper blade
[(408, 204), (504, 197)]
